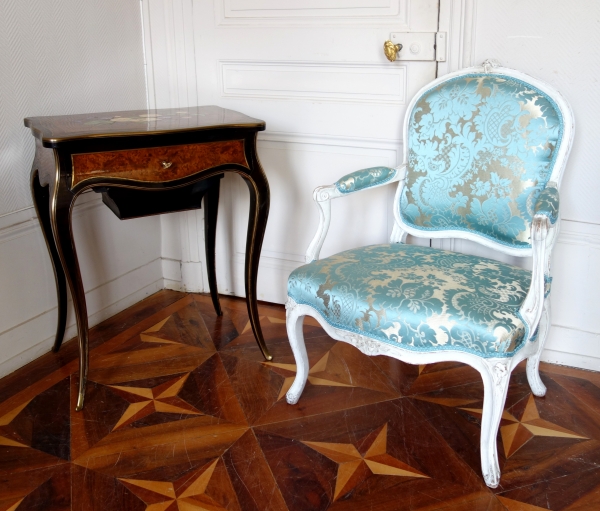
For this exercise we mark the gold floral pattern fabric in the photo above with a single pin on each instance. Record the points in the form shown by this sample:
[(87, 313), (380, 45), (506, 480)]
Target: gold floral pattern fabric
[(481, 148), (421, 298)]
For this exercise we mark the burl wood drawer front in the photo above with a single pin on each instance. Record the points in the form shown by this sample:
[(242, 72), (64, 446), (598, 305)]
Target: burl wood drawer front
[(158, 164)]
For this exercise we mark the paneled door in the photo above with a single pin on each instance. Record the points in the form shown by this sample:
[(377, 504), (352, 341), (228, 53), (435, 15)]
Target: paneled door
[(315, 71)]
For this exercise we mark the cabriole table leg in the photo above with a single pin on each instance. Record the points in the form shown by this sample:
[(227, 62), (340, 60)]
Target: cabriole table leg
[(63, 234)]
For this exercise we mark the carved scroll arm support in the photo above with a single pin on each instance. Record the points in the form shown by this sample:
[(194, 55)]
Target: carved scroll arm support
[(354, 182), (531, 309)]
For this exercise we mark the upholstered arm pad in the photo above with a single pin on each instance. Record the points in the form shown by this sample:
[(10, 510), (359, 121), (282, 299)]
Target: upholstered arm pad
[(365, 178), (547, 203)]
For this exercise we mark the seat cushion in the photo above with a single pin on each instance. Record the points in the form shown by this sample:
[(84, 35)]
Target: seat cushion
[(421, 298)]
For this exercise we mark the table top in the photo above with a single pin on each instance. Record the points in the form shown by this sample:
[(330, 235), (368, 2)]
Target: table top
[(56, 128)]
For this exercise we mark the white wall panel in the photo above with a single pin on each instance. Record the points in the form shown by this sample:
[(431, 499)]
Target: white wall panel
[(576, 271), (314, 80), (572, 347), (66, 57)]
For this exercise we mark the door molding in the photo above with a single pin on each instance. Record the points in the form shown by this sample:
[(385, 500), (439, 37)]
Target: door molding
[(171, 75), (458, 20), (323, 81), (312, 12)]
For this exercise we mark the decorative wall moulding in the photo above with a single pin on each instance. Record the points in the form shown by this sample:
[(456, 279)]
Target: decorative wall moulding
[(330, 140), (573, 232), (360, 82), (277, 261), (321, 12), (24, 222)]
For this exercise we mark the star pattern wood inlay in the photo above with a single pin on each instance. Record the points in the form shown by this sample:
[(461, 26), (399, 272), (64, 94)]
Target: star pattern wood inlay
[(317, 375), (160, 399), (147, 337), (517, 432), (8, 436), (186, 494), (354, 467), (183, 414)]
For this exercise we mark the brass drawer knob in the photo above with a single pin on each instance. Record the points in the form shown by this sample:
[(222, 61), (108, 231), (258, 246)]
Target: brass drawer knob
[(391, 50), (166, 164)]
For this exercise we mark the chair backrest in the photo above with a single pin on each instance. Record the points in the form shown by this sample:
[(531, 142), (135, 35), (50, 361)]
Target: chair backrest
[(479, 146)]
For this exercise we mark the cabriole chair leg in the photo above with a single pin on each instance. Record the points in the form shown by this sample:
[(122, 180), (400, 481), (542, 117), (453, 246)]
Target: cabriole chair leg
[(294, 323), (533, 362), (495, 387)]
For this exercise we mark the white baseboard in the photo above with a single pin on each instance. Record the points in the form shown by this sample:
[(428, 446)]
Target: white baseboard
[(173, 285), (171, 271), (116, 293), (273, 273), (191, 276), (570, 347)]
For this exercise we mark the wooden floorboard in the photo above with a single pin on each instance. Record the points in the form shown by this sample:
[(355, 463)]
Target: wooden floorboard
[(183, 413)]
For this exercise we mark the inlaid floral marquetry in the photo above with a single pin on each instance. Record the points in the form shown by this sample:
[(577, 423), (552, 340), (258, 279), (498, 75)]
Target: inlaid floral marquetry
[(137, 122), (184, 414)]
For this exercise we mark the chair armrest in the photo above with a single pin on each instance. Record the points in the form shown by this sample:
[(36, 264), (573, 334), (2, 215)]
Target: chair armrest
[(548, 202), (365, 178), (357, 181)]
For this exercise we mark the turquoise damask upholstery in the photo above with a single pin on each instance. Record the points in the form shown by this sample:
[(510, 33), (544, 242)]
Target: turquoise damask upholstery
[(480, 150), (365, 178), (418, 297), (547, 203)]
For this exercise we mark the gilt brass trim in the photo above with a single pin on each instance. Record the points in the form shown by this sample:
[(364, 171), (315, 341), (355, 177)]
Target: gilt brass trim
[(50, 142)]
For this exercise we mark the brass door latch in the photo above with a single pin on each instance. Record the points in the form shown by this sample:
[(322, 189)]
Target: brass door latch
[(391, 50)]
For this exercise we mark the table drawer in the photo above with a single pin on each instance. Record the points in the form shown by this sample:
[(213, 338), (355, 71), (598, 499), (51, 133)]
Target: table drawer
[(158, 164)]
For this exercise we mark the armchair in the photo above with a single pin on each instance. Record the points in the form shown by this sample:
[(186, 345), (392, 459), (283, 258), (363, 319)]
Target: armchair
[(484, 153)]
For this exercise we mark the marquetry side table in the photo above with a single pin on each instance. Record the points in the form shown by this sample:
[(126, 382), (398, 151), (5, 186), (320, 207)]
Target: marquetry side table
[(144, 162)]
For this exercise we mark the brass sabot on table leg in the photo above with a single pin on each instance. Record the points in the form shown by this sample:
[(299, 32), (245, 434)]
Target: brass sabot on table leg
[(80, 397), (263, 347)]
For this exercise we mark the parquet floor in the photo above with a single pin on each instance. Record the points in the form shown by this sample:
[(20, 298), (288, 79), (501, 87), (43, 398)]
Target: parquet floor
[(183, 414)]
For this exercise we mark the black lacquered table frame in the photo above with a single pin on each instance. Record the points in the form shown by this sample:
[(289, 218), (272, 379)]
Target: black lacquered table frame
[(54, 196)]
